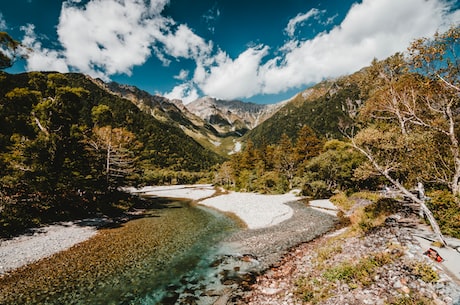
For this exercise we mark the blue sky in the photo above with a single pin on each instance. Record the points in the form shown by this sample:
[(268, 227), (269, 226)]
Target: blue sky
[(253, 50)]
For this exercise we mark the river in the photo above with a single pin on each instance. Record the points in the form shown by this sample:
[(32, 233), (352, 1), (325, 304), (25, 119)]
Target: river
[(156, 259), (176, 253)]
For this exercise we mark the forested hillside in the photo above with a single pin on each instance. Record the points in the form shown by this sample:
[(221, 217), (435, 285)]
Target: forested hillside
[(65, 143), (392, 124), (326, 108)]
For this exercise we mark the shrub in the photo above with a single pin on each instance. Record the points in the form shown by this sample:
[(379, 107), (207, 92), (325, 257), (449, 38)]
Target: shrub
[(342, 201), (445, 209), (425, 272)]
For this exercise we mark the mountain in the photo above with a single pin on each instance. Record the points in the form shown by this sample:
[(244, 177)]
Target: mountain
[(232, 116), (326, 107), (215, 124), (165, 145)]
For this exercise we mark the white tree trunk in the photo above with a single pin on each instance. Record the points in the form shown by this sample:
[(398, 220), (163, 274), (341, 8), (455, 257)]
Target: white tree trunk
[(402, 189)]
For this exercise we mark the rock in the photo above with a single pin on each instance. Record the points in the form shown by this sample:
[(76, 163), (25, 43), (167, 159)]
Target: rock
[(397, 284), (405, 289), (439, 302), (270, 291)]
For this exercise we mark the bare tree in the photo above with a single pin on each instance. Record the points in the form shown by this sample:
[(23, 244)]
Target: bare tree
[(118, 146)]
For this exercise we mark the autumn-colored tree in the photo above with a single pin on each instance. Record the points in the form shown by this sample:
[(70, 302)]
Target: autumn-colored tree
[(225, 175), (306, 147), (414, 132), (285, 159), (116, 147)]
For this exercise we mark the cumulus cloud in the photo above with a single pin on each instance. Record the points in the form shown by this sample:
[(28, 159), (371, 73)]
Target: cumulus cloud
[(184, 43), (227, 77), (109, 36), (371, 29), (186, 92), (299, 19), (40, 58), (183, 75)]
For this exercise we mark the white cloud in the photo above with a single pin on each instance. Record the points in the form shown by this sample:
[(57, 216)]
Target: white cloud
[(2, 23), (371, 29), (229, 78), (109, 36), (299, 19), (185, 92), (183, 75), (41, 59), (184, 43)]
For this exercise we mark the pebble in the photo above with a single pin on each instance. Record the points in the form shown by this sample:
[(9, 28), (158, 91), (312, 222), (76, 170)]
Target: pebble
[(391, 282)]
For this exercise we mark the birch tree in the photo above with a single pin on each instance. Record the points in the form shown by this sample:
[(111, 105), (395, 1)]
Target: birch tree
[(116, 147), (413, 116)]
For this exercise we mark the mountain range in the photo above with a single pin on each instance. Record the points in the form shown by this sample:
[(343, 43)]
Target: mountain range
[(218, 125), (208, 127)]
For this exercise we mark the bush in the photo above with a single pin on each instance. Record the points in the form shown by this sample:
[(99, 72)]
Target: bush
[(444, 207), (316, 189), (374, 215), (425, 272)]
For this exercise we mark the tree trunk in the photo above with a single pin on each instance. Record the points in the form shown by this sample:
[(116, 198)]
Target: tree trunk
[(402, 189)]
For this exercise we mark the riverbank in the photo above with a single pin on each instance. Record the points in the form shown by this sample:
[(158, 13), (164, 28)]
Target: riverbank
[(241, 256), (387, 265), (42, 242), (256, 211)]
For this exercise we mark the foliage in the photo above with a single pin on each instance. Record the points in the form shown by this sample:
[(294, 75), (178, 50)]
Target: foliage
[(412, 115), (425, 272), (66, 144), (342, 201), (9, 49), (445, 208), (270, 168), (375, 214), (332, 170)]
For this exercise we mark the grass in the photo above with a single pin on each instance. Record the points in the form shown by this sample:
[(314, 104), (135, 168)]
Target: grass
[(331, 270), (425, 272)]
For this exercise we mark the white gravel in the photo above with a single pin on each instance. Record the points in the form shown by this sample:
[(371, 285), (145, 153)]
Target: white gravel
[(193, 192), (256, 210), (46, 241)]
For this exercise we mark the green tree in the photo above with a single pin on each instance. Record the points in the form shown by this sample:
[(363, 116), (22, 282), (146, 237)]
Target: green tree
[(101, 115), (306, 147), (332, 170), (285, 160)]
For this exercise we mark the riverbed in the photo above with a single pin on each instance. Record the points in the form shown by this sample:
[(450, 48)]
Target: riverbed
[(177, 253)]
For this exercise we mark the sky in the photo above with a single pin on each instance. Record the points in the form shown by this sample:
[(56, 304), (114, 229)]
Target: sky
[(252, 50)]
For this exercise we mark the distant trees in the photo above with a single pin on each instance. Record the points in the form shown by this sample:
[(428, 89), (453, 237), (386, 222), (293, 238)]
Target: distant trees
[(271, 168)]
